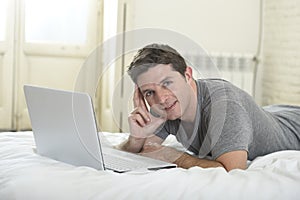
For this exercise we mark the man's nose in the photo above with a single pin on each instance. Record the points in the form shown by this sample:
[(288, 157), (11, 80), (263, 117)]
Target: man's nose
[(162, 95)]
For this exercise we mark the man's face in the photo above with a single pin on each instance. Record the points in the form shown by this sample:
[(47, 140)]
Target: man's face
[(165, 88)]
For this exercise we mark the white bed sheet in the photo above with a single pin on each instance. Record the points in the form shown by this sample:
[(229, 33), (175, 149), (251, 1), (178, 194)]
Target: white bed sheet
[(26, 175)]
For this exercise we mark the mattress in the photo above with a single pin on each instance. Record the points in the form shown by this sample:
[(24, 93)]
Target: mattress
[(27, 175)]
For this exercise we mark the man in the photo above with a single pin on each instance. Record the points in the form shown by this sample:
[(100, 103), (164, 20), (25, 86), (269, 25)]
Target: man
[(218, 123)]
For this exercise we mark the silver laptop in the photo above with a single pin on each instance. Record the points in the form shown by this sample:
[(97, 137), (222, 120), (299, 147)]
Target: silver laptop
[(64, 128)]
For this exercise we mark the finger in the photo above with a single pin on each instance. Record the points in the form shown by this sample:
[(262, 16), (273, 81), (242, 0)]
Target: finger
[(141, 112), (138, 99), (138, 119)]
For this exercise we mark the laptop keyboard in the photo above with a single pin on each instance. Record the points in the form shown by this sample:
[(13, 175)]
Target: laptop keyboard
[(121, 164), (122, 161)]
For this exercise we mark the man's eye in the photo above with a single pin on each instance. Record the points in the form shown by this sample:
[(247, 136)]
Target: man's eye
[(167, 83), (149, 93)]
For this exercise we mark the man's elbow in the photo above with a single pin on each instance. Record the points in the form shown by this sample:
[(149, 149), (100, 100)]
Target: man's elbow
[(229, 167)]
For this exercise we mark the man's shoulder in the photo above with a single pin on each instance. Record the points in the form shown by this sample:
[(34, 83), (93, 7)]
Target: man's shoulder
[(217, 89), (210, 82)]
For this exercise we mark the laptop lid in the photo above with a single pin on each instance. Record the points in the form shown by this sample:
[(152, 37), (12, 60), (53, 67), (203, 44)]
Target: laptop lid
[(64, 126)]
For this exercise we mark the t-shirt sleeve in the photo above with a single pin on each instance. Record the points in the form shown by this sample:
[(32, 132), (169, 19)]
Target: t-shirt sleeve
[(162, 133), (232, 130)]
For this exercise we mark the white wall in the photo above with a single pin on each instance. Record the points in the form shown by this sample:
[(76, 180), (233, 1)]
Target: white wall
[(217, 25), (281, 52)]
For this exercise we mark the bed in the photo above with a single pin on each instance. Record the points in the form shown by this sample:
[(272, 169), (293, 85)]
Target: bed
[(26, 175)]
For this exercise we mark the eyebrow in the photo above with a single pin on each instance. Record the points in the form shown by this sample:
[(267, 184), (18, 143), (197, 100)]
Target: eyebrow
[(166, 78), (147, 90)]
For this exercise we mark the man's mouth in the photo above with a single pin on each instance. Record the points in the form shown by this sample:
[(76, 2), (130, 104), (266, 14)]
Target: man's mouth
[(171, 106)]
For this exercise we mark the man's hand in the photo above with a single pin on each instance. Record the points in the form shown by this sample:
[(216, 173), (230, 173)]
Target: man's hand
[(160, 152), (142, 124)]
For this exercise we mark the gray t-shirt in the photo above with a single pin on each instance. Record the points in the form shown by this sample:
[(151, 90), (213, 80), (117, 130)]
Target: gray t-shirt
[(228, 119)]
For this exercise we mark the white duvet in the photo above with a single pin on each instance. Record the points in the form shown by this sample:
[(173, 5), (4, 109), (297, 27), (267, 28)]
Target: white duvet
[(26, 175)]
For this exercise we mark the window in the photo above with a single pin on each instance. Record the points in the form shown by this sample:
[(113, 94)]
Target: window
[(3, 13), (68, 25)]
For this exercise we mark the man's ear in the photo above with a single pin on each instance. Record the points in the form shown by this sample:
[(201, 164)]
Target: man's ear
[(188, 74)]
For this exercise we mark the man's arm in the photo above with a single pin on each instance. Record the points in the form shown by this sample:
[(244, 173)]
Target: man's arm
[(132, 144), (230, 160), (136, 145), (234, 160), (186, 161)]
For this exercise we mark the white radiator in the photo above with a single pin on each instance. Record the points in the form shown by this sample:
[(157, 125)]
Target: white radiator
[(239, 69)]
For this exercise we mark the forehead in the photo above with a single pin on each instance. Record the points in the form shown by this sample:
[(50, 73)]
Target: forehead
[(154, 75)]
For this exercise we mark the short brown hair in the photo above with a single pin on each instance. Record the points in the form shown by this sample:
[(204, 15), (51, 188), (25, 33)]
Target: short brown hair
[(152, 55)]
